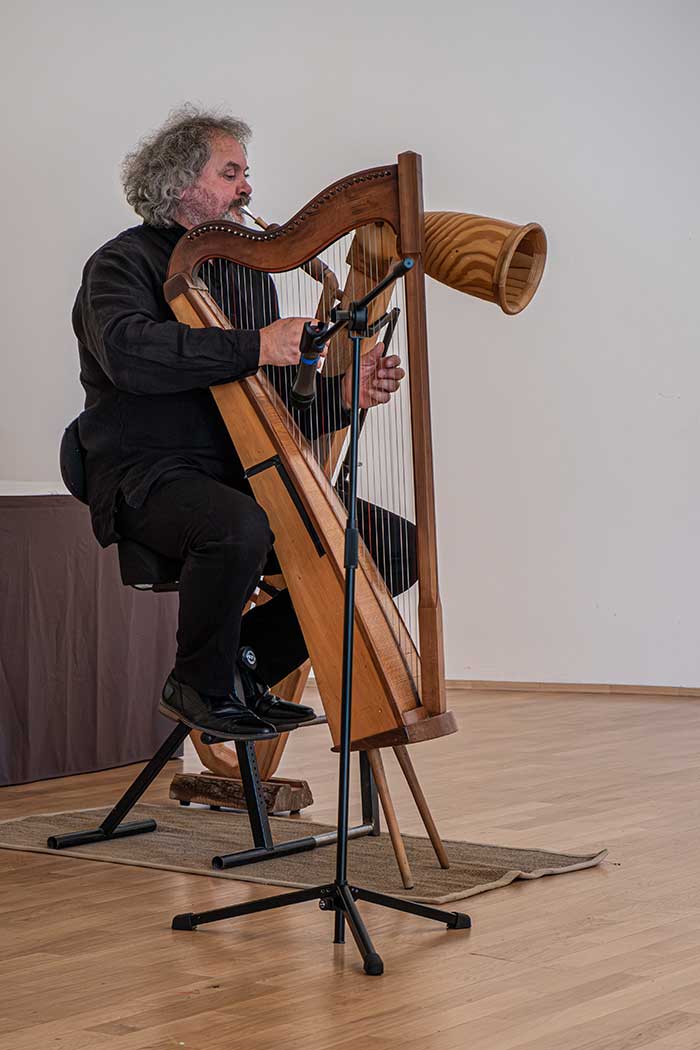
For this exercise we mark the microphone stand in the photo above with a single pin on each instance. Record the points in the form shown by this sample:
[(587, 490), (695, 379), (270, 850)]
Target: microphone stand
[(340, 896)]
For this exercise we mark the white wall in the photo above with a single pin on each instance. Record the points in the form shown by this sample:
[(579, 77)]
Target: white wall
[(566, 438)]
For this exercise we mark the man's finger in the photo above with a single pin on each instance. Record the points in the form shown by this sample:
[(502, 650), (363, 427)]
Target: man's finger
[(386, 384)]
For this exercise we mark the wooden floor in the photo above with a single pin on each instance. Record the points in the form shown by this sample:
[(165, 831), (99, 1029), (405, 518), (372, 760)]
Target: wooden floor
[(604, 959)]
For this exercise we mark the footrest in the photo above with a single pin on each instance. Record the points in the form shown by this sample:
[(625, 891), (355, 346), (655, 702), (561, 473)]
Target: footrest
[(279, 795)]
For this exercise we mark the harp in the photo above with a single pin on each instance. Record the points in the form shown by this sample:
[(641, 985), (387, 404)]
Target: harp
[(337, 247)]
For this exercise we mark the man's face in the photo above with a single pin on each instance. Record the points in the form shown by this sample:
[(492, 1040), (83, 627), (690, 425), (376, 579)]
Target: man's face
[(222, 187)]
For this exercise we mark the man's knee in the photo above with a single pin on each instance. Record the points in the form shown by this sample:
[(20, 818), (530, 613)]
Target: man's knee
[(240, 536)]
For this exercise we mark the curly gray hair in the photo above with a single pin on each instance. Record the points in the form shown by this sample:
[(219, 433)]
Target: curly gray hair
[(169, 160)]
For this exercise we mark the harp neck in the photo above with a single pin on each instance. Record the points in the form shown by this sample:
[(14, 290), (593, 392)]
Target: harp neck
[(390, 194)]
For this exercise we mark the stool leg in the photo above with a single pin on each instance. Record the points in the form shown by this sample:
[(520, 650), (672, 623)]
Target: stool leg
[(112, 827), (219, 759), (375, 760)]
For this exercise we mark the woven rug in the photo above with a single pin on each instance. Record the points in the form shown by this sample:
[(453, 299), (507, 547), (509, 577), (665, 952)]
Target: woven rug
[(188, 837)]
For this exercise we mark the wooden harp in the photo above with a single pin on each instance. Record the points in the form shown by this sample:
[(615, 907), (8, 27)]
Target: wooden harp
[(228, 275)]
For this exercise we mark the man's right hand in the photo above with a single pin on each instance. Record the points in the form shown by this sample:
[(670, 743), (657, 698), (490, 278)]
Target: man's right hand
[(279, 342)]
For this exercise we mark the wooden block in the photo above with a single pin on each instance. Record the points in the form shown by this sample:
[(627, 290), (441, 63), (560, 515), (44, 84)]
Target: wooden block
[(280, 795)]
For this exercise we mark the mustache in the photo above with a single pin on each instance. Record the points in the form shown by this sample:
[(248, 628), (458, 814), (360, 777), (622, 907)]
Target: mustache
[(241, 202)]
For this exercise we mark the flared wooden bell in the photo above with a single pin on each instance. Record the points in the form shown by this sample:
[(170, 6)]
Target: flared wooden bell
[(489, 258)]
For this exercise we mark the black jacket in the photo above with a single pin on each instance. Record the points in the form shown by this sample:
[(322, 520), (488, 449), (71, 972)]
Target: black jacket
[(148, 409)]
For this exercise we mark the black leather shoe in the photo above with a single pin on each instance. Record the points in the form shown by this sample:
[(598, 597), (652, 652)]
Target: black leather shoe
[(225, 718), (281, 713)]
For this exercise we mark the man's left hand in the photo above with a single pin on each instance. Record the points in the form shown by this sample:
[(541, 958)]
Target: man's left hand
[(379, 378)]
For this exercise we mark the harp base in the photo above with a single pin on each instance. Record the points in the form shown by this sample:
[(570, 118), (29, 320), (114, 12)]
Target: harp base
[(425, 729)]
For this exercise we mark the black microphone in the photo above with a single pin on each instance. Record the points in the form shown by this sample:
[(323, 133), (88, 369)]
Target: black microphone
[(313, 339)]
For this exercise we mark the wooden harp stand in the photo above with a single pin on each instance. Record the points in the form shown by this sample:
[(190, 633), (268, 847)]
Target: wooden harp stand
[(339, 896)]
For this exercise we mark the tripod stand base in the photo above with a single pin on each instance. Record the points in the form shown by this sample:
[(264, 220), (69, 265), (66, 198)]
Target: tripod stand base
[(340, 898)]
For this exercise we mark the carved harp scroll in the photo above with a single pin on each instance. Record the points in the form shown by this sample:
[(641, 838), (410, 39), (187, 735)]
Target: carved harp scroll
[(398, 668)]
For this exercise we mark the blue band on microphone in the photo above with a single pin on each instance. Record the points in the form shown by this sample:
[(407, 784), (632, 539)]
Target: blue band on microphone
[(309, 360)]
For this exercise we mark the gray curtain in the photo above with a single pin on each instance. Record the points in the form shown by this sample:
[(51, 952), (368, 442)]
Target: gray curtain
[(82, 657)]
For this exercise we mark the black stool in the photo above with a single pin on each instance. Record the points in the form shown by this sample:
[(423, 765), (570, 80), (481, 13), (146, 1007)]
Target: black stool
[(144, 569)]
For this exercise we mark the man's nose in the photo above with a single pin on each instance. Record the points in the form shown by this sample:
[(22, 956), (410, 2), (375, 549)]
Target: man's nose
[(246, 187)]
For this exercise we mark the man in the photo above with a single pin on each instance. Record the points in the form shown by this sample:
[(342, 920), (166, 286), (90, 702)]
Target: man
[(160, 466)]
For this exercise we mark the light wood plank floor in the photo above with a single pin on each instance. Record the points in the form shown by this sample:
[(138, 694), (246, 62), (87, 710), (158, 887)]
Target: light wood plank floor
[(606, 959)]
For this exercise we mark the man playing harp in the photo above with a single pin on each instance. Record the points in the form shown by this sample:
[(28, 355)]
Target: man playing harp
[(160, 466)]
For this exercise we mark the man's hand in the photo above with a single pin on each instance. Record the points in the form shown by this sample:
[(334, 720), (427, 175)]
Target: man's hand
[(279, 342), (379, 378)]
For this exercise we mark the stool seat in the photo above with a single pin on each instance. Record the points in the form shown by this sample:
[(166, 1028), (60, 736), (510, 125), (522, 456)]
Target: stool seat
[(140, 567), (144, 569)]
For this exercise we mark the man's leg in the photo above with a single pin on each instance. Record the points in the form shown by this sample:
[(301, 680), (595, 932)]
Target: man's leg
[(272, 629), (222, 537), (391, 540)]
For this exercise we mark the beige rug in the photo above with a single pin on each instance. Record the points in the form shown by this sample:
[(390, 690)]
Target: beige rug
[(188, 837)]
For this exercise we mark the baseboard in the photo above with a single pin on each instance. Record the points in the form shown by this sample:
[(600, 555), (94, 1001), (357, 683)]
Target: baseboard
[(571, 687), (563, 687)]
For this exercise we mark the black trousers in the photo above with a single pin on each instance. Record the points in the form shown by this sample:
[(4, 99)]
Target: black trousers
[(223, 538)]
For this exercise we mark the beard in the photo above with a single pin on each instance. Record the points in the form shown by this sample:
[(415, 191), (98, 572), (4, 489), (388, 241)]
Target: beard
[(233, 213), (199, 205)]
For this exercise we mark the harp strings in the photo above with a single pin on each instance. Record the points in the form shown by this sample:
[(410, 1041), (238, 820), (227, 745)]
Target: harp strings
[(386, 511), (388, 478)]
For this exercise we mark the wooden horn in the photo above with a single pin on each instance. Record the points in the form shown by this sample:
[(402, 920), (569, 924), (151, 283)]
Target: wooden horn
[(488, 258)]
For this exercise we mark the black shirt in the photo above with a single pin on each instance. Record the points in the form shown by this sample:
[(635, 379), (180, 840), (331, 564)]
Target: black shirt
[(148, 409)]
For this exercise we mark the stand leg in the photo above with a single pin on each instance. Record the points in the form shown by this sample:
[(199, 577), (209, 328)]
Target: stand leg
[(375, 760), (252, 788), (401, 752), (110, 826), (265, 848), (372, 962), (454, 920), (191, 920)]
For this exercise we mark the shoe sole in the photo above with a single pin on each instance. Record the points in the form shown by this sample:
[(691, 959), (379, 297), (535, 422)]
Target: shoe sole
[(171, 713), (287, 727)]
